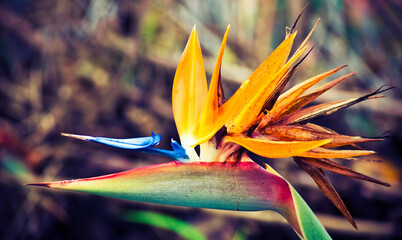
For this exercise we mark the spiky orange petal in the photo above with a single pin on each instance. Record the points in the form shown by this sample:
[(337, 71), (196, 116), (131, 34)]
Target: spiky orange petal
[(286, 99), (276, 149), (320, 152), (255, 100), (303, 133), (306, 99)]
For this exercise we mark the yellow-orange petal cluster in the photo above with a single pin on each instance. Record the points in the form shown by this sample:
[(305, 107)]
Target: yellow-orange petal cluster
[(262, 119)]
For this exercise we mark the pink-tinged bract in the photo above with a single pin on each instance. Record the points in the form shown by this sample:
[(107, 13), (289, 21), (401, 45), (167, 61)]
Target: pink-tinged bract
[(237, 186)]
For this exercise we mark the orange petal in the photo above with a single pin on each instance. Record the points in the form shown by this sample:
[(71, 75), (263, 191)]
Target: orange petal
[(256, 95), (320, 152), (276, 149), (212, 119), (212, 97), (263, 74), (307, 38), (344, 140), (302, 133), (306, 99), (312, 112), (189, 90), (275, 61), (318, 128), (290, 95), (327, 108)]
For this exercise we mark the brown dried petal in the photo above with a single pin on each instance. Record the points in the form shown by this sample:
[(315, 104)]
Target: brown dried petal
[(326, 187), (335, 167)]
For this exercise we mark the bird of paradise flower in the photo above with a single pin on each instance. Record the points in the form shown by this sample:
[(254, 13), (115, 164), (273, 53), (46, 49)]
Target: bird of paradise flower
[(259, 118)]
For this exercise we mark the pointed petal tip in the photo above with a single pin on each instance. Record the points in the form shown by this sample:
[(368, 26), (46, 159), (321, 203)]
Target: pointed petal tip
[(353, 223), (194, 33), (340, 68), (298, 17), (80, 137), (38, 184), (386, 184)]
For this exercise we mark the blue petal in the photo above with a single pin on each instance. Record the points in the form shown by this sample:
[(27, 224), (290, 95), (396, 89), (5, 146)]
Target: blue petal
[(142, 144), (128, 143), (179, 151)]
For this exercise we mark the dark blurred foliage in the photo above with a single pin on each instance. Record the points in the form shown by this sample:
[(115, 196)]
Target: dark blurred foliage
[(105, 68)]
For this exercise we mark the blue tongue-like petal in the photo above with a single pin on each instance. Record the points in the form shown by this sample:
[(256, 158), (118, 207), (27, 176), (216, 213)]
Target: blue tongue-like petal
[(128, 143), (142, 144)]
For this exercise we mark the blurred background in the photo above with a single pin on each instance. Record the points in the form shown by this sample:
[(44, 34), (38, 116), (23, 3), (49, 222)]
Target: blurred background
[(105, 68)]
